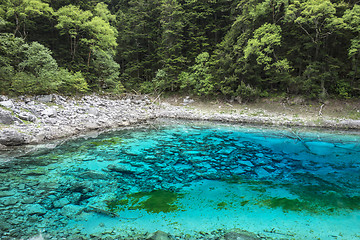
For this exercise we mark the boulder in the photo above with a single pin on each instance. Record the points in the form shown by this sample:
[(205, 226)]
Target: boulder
[(8, 201), (94, 111), (10, 137), (27, 116), (71, 210), (61, 203), (7, 104), (3, 98), (49, 112), (159, 235), (6, 117), (120, 168), (239, 236), (45, 98), (36, 209)]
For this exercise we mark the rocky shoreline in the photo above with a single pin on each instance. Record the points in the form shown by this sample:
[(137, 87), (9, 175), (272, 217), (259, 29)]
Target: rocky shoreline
[(44, 118), (40, 119)]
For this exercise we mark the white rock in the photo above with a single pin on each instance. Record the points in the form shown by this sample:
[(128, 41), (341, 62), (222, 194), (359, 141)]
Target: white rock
[(7, 104), (49, 112)]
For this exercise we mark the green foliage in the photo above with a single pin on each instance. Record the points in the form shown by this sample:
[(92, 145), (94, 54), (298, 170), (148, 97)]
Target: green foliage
[(72, 83), (38, 71), (22, 12), (106, 71), (309, 47), (263, 44), (246, 93), (199, 80)]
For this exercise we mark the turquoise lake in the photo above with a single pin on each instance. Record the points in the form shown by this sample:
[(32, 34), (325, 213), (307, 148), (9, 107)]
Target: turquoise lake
[(185, 177)]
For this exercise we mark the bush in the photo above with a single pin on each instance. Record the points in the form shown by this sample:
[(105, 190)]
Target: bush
[(246, 93), (72, 83)]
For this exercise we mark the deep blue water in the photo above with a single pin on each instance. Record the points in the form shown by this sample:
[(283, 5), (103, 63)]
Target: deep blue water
[(187, 177)]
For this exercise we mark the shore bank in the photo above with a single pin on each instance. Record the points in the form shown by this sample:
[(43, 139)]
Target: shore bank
[(44, 118)]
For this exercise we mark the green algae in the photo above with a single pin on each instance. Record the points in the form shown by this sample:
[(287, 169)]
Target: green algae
[(286, 204), (108, 141), (153, 202), (221, 205)]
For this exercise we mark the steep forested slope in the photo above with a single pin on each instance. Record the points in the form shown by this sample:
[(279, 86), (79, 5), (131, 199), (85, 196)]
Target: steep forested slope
[(234, 48)]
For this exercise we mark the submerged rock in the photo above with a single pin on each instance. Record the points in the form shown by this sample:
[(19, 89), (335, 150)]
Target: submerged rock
[(61, 203), (36, 209), (93, 175), (159, 235), (239, 236)]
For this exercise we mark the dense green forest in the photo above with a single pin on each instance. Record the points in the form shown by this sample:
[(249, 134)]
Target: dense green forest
[(241, 49)]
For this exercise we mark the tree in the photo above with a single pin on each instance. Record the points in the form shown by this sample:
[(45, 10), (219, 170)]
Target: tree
[(10, 57), (22, 11), (315, 17), (72, 21), (266, 38), (352, 19), (37, 72), (199, 80), (171, 46)]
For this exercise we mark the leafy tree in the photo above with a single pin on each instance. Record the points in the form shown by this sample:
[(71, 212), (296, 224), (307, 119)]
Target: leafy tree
[(263, 44), (170, 50), (199, 80), (37, 72), (10, 57), (352, 22), (72, 83), (72, 22), (315, 17), (20, 12), (106, 71)]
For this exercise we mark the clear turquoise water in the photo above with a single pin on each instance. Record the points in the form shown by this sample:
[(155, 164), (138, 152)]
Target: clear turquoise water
[(186, 177)]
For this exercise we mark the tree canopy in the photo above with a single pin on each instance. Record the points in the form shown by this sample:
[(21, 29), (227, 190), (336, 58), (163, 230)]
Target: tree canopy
[(242, 49)]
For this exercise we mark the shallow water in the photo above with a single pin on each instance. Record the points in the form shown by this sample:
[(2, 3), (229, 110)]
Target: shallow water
[(187, 177)]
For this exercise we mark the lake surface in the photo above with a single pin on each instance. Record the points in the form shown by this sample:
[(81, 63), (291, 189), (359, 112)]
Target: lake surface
[(184, 178)]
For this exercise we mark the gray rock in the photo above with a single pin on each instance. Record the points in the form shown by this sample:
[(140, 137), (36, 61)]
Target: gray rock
[(246, 163), (49, 112), (3, 98), (238, 171), (93, 175), (7, 193), (6, 117), (120, 168), (8, 201), (45, 98), (94, 111), (187, 100), (5, 226), (7, 104), (28, 200), (27, 116), (239, 236), (159, 235), (10, 137), (61, 203), (71, 210), (262, 173), (36, 209)]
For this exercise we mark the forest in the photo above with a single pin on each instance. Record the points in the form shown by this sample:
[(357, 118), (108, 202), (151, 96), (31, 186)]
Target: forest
[(236, 49)]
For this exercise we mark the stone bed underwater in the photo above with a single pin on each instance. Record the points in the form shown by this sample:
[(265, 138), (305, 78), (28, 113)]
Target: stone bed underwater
[(185, 177)]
